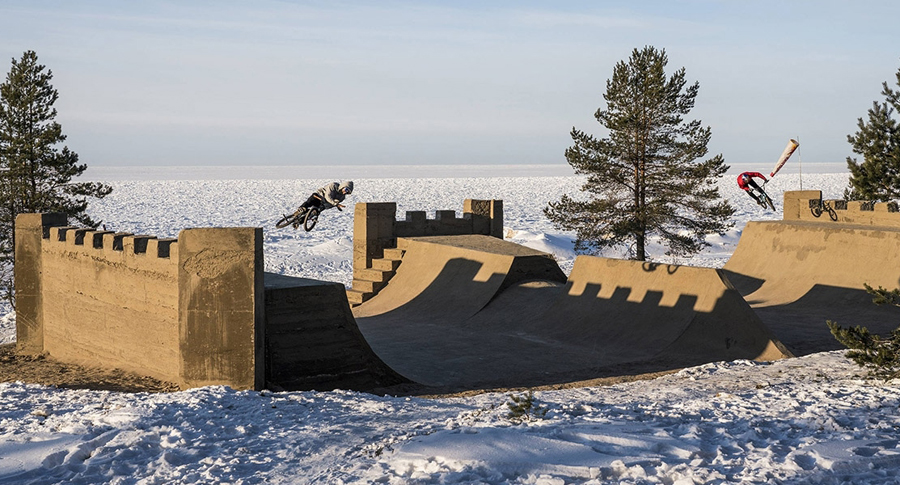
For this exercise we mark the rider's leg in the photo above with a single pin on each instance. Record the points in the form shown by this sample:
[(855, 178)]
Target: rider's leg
[(756, 198), (312, 201)]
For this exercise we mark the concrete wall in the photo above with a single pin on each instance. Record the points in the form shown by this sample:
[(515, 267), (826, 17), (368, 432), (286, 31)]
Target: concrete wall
[(31, 229), (197, 310), (187, 311), (107, 301), (221, 306), (376, 228), (799, 206)]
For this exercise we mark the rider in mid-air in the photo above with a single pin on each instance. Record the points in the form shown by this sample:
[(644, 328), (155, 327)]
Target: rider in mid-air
[(331, 195), (745, 181)]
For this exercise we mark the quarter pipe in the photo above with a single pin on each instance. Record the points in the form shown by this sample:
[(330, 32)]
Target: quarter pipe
[(798, 274)]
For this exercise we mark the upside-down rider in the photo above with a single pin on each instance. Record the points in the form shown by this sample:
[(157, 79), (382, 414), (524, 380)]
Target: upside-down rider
[(745, 182)]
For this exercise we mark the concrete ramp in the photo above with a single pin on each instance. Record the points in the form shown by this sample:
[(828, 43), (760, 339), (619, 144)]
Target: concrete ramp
[(612, 312), (312, 342), (798, 274), (478, 312), (453, 277)]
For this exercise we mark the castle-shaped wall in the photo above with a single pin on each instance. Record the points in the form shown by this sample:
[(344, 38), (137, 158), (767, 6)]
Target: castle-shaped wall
[(188, 311), (376, 229), (196, 310), (807, 205)]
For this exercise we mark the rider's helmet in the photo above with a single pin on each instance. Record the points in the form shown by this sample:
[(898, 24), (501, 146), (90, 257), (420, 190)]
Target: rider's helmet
[(347, 187)]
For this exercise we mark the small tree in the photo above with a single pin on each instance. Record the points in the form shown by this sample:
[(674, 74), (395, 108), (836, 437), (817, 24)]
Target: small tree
[(880, 355), (877, 177), (35, 175), (645, 179)]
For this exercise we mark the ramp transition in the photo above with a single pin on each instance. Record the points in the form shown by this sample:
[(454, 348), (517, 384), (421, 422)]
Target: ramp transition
[(479, 312), (798, 274)]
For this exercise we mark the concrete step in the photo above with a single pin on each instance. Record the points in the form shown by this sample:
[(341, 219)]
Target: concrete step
[(375, 275), (357, 297), (367, 286), (385, 264), (393, 253)]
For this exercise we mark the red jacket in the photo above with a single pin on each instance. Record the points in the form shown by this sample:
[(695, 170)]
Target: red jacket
[(745, 177)]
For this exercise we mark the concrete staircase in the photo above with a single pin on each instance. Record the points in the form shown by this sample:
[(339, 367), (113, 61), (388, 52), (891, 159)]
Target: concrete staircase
[(368, 282)]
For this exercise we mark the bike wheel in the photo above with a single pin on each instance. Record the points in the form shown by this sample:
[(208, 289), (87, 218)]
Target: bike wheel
[(285, 221), (309, 222), (769, 201), (816, 209)]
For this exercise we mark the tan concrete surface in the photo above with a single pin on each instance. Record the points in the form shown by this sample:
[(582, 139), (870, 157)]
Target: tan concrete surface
[(798, 274), (221, 307), (458, 273), (463, 311), (30, 230), (106, 306), (312, 341)]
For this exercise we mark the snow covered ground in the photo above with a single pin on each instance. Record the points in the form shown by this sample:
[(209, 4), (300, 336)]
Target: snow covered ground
[(805, 420)]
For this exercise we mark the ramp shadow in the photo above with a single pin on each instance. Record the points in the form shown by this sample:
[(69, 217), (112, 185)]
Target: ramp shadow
[(536, 332), (801, 326)]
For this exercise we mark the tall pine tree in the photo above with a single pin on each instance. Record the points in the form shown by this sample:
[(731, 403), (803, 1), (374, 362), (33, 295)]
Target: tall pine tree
[(645, 180), (877, 177), (35, 174)]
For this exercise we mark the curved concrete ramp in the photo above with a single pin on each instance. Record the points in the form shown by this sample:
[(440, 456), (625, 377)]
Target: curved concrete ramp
[(468, 315), (453, 277), (798, 274), (312, 342)]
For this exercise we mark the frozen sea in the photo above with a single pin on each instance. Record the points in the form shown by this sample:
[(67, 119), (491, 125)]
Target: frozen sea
[(813, 419)]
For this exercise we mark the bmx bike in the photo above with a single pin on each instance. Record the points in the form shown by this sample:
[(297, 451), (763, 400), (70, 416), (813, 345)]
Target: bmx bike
[(307, 217), (817, 207), (766, 201)]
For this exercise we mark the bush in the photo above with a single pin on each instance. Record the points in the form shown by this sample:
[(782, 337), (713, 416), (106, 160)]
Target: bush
[(522, 408)]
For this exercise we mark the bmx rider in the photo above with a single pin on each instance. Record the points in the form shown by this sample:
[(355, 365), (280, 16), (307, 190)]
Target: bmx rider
[(745, 182)]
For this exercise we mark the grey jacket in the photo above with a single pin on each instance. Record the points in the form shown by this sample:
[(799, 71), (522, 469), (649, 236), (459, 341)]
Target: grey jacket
[(331, 194)]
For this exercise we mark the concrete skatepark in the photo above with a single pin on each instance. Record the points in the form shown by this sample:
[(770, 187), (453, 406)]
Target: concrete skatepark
[(444, 303)]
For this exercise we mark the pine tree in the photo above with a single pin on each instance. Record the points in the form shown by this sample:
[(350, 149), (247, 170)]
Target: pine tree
[(645, 179), (879, 354), (35, 174), (877, 177)]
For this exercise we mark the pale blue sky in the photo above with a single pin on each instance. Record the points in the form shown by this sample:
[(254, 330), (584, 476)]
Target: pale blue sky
[(290, 82)]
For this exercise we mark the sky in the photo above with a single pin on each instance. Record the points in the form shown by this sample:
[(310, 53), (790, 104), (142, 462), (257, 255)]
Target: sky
[(183, 83)]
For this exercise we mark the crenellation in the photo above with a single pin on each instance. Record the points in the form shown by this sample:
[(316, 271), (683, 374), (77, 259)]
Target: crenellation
[(444, 215), (96, 238), (808, 205), (416, 217), (853, 205), (136, 244), (78, 240), (113, 241), (58, 233)]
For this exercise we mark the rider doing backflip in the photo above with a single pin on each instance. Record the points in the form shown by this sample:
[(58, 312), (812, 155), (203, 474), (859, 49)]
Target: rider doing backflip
[(745, 182)]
